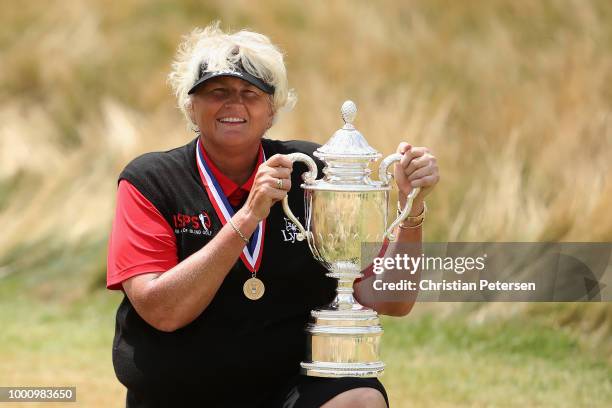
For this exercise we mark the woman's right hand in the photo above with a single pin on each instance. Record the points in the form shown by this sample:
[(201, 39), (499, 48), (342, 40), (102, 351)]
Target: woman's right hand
[(266, 189)]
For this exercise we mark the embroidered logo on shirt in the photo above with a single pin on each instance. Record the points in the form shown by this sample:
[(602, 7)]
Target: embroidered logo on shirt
[(199, 224), (290, 232)]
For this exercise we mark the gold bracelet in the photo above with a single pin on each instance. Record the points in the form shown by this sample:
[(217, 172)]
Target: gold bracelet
[(420, 224), (413, 218), (246, 241)]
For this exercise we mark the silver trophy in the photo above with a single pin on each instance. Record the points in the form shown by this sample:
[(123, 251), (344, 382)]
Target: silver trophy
[(343, 209)]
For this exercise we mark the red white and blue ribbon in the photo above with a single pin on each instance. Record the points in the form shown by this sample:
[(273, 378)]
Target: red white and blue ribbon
[(252, 253)]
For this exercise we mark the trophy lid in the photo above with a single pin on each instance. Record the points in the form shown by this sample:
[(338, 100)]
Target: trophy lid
[(347, 142)]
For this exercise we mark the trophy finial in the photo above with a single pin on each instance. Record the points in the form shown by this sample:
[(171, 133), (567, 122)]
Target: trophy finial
[(347, 142), (349, 111)]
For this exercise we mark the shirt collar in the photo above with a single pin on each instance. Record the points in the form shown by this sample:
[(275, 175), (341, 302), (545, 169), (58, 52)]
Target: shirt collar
[(228, 186)]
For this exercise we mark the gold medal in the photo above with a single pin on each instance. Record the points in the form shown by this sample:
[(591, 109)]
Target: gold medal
[(253, 288)]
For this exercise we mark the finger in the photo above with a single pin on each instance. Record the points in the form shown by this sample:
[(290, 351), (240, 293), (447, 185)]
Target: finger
[(279, 172), (421, 172), (411, 154), (285, 183), (281, 183), (274, 193), (419, 162), (426, 181), (279, 160), (417, 151), (403, 147), (265, 171), (405, 160)]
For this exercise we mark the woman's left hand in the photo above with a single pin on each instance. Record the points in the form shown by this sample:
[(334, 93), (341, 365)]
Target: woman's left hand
[(418, 168)]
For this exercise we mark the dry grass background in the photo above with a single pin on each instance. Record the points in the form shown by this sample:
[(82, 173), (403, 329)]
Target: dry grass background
[(513, 97)]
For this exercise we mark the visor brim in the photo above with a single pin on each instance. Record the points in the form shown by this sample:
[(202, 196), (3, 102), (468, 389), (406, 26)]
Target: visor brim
[(253, 80)]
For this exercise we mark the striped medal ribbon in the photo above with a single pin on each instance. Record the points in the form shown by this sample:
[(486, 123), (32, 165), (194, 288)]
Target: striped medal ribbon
[(252, 252)]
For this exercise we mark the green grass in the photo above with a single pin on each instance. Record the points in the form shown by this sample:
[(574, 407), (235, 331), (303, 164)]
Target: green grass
[(46, 343), (434, 361)]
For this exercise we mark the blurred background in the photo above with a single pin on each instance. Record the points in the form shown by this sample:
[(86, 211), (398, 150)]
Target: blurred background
[(514, 98)]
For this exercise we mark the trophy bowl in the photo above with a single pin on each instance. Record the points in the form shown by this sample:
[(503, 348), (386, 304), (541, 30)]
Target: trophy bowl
[(343, 210)]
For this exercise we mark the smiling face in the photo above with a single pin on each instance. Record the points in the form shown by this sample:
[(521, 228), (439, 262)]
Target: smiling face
[(231, 112)]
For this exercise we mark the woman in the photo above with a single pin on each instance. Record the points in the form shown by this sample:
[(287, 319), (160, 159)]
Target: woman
[(195, 223)]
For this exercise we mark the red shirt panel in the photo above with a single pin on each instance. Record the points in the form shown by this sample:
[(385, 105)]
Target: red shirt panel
[(141, 240)]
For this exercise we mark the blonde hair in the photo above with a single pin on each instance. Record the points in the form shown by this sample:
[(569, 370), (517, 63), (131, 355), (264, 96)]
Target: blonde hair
[(223, 51)]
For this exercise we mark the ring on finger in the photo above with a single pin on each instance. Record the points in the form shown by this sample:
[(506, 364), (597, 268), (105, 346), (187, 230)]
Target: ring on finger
[(279, 183)]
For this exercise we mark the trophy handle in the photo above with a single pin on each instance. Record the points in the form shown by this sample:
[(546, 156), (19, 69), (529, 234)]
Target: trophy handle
[(385, 177), (309, 177)]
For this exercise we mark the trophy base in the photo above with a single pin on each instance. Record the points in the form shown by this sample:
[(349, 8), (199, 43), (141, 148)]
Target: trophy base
[(331, 370), (343, 343)]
